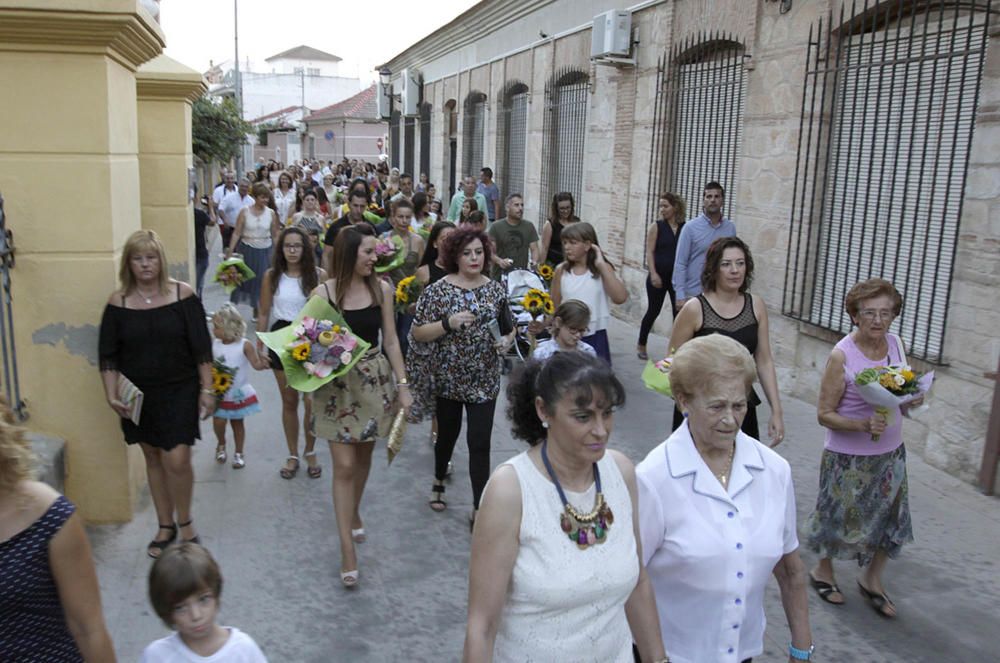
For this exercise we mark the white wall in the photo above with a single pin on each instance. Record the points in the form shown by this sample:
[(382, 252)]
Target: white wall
[(267, 93)]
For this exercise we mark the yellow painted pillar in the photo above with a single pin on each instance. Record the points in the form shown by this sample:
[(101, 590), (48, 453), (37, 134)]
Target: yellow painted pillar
[(69, 175), (166, 89)]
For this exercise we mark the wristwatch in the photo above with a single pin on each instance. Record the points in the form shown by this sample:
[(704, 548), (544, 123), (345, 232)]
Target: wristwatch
[(801, 654)]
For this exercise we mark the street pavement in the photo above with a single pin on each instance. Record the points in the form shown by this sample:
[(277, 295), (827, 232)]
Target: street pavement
[(277, 545)]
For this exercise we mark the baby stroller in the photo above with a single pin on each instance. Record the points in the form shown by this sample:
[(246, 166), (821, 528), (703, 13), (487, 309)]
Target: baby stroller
[(517, 283)]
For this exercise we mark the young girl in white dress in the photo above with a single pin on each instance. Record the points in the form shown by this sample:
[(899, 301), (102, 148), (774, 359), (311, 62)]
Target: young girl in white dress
[(233, 355), (569, 324), (588, 276)]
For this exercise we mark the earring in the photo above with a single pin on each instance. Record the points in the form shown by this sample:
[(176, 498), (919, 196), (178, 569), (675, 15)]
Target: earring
[(545, 424)]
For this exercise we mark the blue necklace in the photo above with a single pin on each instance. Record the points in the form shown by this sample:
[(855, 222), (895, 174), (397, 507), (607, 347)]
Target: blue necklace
[(583, 529)]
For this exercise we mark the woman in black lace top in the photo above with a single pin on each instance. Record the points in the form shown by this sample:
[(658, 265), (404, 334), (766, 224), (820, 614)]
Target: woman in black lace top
[(726, 307), (153, 332)]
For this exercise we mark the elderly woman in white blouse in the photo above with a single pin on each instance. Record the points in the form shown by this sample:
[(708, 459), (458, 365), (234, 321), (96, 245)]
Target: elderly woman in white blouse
[(717, 517)]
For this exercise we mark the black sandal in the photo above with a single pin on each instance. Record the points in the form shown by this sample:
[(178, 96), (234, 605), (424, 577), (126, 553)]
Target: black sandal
[(877, 601), (195, 539), (438, 504), (156, 548), (824, 589)]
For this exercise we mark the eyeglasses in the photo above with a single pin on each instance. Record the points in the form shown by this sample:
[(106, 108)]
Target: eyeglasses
[(871, 314), (293, 247)]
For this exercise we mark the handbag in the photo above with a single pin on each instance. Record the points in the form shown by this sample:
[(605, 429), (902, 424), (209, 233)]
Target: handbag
[(131, 396)]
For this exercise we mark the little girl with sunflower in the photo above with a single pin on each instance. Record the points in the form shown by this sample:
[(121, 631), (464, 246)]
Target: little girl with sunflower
[(233, 355)]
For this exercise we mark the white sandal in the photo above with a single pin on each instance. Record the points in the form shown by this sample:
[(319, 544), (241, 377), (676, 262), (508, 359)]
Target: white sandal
[(220, 453), (349, 578), (238, 462)]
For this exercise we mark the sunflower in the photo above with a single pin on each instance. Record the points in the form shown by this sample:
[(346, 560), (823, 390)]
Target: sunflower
[(222, 383), (531, 302), (548, 306), (300, 352), (546, 271), (907, 374)]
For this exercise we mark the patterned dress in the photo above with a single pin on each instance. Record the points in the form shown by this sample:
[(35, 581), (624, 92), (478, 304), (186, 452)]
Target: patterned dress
[(32, 622)]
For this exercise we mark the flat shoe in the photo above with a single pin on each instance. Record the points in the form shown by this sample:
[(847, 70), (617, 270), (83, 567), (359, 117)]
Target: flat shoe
[(358, 535), (641, 355), (878, 602), (156, 548), (289, 473), (238, 462), (349, 578), (220, 454), (824, 589), (314, 471)]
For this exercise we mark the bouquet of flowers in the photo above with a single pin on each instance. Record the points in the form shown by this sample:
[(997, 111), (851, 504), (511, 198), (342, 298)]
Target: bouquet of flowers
[(390, 252), (425, 229), (407, 291), (317, 347), (537, 302), (233, 273), (546, 271), (656, 376), (887, 387), (222, 379)]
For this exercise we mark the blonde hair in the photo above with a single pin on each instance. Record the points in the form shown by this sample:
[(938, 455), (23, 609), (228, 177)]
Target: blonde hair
[(17, 462), (232, 323), (142, 240), (706, 358)]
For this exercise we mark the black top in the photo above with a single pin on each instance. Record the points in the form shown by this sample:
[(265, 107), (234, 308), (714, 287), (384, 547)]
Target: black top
[(32, 622), (554, 255), (365, 323), (665, 251), (336, 227), (156, 346), (742, 328), (436, 273), (201, 224)]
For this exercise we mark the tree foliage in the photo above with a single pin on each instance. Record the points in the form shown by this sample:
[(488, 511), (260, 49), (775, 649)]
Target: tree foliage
[(217, 130)]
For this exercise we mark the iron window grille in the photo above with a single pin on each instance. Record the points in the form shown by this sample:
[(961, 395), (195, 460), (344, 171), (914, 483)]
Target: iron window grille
[(473, 133), (564, 133), (11, 380), (697, 120), (425, 139), (888, 113), (394, 144), (513, 128), (409, 129)]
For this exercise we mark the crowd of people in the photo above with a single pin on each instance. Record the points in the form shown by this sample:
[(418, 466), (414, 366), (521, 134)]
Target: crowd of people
[(574, 548)]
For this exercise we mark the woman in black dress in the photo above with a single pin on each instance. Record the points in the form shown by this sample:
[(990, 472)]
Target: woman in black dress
[(153, 332), (561, 214), (661, 247), (725, 306)]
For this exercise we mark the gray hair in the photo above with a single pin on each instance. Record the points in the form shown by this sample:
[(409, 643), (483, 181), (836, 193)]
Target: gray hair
[(706, 358)]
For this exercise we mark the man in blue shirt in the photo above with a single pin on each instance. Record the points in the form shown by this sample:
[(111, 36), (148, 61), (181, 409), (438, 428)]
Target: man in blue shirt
[(468, 191), (695, 238), (490, 192)]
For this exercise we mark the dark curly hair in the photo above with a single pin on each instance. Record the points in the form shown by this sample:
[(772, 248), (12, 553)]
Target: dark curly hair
[(713, 258), (452, 247), (565, 374)]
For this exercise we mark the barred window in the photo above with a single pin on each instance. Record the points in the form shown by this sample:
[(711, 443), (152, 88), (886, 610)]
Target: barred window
[(513, 127), (409, 129), (565, 128), (473, 134), (698, 121), (888, 116), (394, 144), (425, 139)]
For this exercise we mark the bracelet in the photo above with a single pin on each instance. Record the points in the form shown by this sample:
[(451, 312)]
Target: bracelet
[(446, 324), (210, 392), (402, 383), (801, 654)]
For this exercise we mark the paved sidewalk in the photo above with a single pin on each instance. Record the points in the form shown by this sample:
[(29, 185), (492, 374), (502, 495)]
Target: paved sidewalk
[(277, 545)]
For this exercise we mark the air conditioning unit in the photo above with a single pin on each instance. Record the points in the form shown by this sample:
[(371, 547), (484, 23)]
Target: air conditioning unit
[(410, 95), (383, 100), (611, 34)]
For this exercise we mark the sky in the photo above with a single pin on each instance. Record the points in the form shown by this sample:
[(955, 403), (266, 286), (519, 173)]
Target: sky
[(363, 33)]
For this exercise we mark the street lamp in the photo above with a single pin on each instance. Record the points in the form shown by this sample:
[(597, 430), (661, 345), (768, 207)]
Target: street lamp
[(385, 76)]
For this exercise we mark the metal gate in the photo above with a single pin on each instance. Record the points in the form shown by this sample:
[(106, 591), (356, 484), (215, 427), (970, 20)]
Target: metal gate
[(697, 120), (513, 127), (565, 129), (11, 383), (473, 134), (888, 112), (425, 140), (409, 129), (394, 144)]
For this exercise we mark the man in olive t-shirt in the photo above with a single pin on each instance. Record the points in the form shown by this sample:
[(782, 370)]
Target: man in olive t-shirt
[(515, 239)]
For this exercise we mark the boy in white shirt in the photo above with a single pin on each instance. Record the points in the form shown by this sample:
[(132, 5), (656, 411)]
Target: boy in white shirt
[(569, 324), (185, 586)]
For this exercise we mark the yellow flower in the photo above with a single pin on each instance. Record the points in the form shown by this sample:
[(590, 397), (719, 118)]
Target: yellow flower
[(300, 352), (548, 306), (546, 271), (907, 374), (222, 383), (886, 381), (532, 302), (336, 329)]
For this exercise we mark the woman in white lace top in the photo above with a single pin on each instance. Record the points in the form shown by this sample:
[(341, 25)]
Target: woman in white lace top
[(555, 572)]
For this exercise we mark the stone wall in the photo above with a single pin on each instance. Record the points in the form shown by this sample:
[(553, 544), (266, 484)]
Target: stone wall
[(618, 157)]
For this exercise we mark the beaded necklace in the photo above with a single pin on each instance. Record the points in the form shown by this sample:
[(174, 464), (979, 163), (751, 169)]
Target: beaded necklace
[(583, 529)]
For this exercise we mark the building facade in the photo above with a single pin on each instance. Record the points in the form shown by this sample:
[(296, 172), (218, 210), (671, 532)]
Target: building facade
[(350, 129), (853, 141)]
